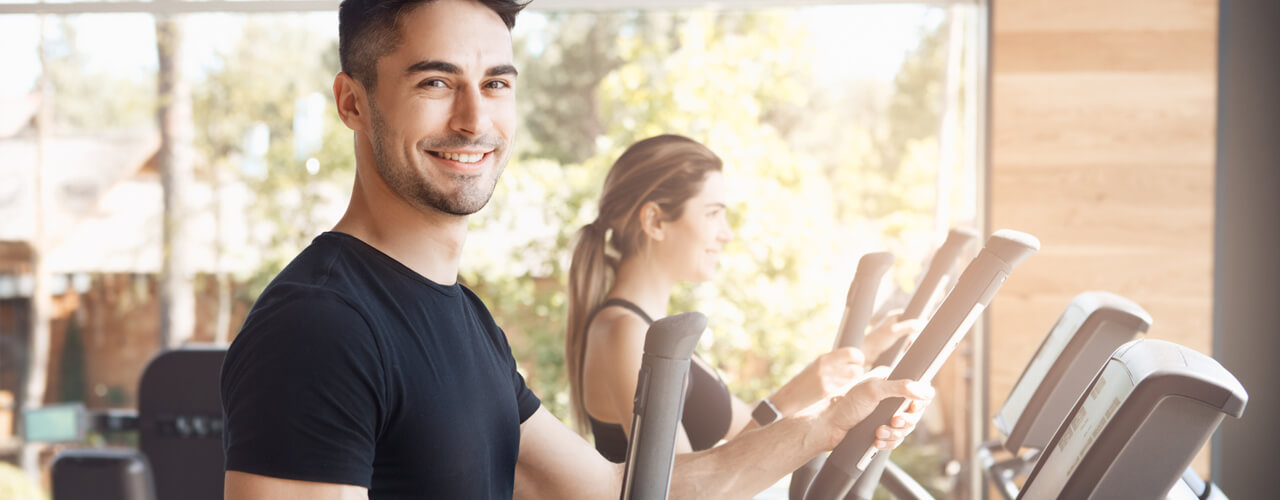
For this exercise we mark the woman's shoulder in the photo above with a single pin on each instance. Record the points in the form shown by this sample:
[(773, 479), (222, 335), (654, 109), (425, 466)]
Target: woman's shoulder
[(616, 328)]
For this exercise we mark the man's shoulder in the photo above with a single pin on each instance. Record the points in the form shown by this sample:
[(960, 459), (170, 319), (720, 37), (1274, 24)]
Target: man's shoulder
[(481, 310), (316, 288), (328, 271)]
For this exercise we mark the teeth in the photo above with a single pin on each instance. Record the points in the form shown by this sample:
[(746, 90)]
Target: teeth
[(462, 158)]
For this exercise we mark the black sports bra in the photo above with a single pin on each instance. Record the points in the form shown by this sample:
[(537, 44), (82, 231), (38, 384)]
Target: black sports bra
[(707, 407)]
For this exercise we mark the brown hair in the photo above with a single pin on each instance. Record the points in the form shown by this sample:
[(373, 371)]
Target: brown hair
[(667, 170), (370, 29)]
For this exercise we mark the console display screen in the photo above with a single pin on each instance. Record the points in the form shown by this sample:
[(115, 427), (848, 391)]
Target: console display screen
[(1050, 349), (1060, 461), (53, 424)]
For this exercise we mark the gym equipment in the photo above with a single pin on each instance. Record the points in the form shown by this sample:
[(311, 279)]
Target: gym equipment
[(659, 404), (962, 307), (1092, 327), (1147, 413), (1084, 336), (861, 299), (101, 474), (180, 422), (933, 286)]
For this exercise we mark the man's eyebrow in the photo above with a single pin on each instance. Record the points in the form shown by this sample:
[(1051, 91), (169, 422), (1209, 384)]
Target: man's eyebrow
[(716, 204), (429, 65), (502, 69), (453, 69)]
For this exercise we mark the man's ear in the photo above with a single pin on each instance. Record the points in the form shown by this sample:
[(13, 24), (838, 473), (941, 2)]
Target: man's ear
[(651, 221), (352, 101)]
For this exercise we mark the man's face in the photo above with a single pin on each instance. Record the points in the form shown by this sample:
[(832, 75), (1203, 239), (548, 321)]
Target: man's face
[(444, 109)]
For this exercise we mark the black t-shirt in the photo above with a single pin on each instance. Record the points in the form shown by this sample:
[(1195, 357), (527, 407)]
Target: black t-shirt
[(351, 368)]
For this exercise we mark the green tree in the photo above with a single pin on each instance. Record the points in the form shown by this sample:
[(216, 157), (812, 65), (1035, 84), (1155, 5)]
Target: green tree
[(71, 380), (558, 66)]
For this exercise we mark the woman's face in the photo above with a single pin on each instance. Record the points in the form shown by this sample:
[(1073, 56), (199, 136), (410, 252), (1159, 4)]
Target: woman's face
[(692, 243)]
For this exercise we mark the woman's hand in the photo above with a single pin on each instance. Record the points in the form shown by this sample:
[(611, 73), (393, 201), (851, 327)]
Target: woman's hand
[(844, 412), (887, 332), (831, 374)]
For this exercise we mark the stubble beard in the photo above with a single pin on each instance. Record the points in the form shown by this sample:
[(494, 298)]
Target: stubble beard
[(412, 186)]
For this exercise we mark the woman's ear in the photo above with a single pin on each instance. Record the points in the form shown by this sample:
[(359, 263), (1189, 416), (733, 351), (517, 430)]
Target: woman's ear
[(651, 218)]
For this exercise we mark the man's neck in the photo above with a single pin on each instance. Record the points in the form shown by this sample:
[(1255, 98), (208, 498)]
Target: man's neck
[(427, 241)]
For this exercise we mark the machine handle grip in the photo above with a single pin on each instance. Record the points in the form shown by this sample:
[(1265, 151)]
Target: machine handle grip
[(861, 299), (674, 337), (943, 263)]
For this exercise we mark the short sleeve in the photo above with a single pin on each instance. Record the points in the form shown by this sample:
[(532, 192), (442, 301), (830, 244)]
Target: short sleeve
[(526, 401), (303, 392)]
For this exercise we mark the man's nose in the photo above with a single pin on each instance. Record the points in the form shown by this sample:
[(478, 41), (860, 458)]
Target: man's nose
[(469, 115)]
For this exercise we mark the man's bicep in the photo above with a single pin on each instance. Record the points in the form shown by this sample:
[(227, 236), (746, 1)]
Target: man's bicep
[(245, 486), (557, 463)]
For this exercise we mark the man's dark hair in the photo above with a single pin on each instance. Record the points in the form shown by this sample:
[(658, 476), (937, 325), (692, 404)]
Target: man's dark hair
[(370, 29)]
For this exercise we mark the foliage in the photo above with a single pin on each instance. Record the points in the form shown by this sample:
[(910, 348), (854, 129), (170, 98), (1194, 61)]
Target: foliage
[(71, 381), (559, 66), (15, 485)]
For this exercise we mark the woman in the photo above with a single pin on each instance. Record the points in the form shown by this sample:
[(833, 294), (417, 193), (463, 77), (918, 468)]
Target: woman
[(662, 221)]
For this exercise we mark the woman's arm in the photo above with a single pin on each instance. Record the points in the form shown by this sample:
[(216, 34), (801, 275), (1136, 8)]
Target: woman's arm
[(831, 374), (834, 372)]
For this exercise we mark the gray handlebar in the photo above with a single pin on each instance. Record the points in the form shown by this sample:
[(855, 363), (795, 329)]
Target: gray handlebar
[(659, 405), (942, 264), (674, 337), (861, 299)]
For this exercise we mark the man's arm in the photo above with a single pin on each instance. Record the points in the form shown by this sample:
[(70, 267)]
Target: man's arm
[(555, 462), (245, 486)]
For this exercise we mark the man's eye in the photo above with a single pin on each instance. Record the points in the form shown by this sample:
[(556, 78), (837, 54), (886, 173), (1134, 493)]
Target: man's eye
[(439, 84), (499, 84)]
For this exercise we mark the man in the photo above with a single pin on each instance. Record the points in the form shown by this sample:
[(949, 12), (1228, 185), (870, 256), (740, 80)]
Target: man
[(366, 370)]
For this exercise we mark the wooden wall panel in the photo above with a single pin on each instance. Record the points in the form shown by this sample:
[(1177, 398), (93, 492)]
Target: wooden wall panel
[(1136, 16), (1103, 146)]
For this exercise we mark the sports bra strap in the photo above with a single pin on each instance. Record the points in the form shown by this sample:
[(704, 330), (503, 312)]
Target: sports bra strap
[(623, 303)]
